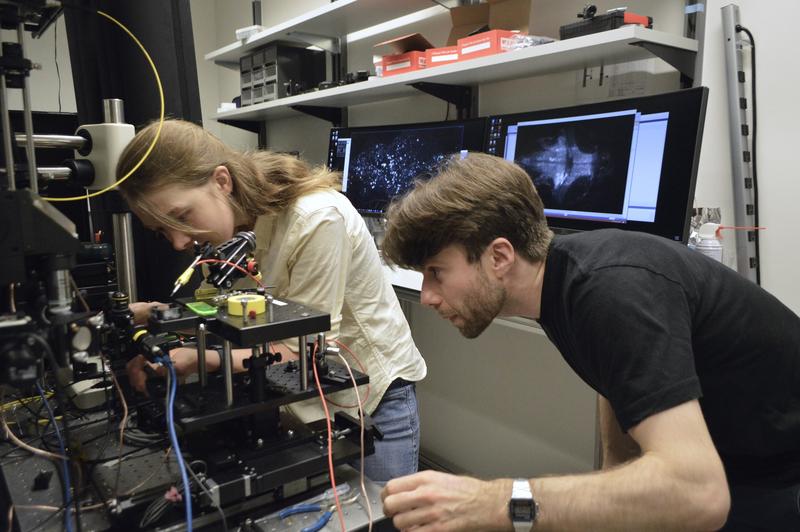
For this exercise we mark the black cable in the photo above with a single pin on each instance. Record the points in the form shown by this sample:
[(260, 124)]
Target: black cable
[(55, 54), (739, 27), (205, 490), (59, 400)]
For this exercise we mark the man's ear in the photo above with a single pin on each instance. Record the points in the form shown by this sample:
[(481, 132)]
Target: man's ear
[(500, 255), (222, 179)]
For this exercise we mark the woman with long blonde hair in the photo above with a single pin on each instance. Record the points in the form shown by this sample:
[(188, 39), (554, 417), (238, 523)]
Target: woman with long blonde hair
[(311, 245)]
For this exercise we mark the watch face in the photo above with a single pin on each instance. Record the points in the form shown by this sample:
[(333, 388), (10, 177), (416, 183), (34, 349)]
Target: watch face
[(522, 509)]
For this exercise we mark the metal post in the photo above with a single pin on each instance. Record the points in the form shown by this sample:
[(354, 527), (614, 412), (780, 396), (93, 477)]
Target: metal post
[(123, 247), (72, 142), (741, 165), (58, 293), (303, 363), (321, 344), (227, 371), (113, 111), (33, 177), (54, 173), (202, 370), (7, 146)]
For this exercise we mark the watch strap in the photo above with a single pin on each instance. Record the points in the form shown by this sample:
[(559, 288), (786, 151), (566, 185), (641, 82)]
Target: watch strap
[(522, 499)]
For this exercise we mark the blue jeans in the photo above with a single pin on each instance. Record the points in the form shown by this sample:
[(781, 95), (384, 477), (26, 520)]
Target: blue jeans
[(398, 453), (764, 508)]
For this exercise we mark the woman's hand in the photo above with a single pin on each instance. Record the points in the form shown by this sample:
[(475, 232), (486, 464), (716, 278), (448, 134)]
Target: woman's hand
[(183, 358), (142, 309)]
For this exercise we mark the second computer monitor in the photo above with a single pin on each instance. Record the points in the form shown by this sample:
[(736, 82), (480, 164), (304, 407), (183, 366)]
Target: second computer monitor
[(627, 163)]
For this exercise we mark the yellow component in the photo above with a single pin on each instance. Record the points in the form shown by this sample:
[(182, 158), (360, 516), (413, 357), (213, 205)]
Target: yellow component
[(247, 303), (205, 294), (138, 333), (35, 399), (185, 276)]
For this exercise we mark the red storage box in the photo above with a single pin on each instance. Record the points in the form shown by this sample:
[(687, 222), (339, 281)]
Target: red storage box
[(402, 63), (486, 43), (409, 54), (441, 56)]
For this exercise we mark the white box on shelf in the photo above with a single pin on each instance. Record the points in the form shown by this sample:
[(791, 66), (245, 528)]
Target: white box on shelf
[(244, 33), (226, 106)]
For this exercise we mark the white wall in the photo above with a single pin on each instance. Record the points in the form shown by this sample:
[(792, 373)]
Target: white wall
[(213, 26), (44, 82), (506, 403), (778, 116)]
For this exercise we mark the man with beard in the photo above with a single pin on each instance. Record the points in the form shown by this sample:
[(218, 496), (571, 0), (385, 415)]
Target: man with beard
[(697, 369)]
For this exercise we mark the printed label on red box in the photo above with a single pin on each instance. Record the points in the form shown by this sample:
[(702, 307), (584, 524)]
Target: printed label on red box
[(398, 66), (444, 57), (506, 43), (476, 47), (487, 43), (401, 63)]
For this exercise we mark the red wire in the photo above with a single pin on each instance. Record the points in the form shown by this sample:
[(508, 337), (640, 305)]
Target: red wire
[(361, 366), (250, 275), (330, 443)]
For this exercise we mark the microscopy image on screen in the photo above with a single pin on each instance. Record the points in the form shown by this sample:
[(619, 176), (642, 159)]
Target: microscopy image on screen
[(579, 165), (384, 163)]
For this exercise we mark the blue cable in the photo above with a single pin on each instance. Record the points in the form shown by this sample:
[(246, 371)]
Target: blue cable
[(173, 386), (64, 463)]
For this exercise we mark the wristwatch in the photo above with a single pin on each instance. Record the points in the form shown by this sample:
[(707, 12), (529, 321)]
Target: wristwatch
[(522, 508)]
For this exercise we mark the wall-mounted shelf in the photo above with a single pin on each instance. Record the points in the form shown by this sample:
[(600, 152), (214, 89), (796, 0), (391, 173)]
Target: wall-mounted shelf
[(332, 20), (629, 43)]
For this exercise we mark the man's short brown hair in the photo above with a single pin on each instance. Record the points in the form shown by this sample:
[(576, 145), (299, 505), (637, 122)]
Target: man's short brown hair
[(469, 201)]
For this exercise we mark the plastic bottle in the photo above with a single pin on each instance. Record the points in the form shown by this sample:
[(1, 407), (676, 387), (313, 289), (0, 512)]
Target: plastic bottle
[(708, 241)]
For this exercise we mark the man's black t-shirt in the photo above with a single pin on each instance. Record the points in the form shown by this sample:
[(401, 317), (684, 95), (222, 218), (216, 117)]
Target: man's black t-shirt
[(651, 324)]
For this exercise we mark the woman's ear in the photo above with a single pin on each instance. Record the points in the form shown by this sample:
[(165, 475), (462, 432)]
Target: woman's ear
[(222, 179)]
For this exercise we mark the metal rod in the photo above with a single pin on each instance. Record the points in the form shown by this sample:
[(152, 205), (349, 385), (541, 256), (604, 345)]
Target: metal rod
[(7, 147), (202, 370), (58, 293), (54, 173), (303, 363), (123, 249), (73, 142), (231, 264), (50, 173), (227, 371), (33, 178), (89, 216), (321, 344), (113, 111)]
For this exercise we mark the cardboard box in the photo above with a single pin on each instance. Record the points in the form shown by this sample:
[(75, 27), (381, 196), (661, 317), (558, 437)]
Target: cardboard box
[(409, 54), (440, 56), (496, 15), (402, 63), (486, 43)]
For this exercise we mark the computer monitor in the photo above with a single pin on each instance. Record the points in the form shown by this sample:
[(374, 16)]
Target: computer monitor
[(379, 163), (627, 163)]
